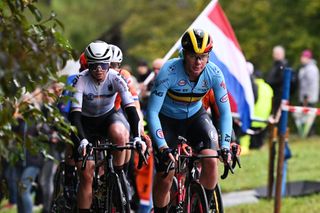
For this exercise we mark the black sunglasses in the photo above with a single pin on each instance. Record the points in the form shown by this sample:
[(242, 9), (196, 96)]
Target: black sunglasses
[(94, 66)]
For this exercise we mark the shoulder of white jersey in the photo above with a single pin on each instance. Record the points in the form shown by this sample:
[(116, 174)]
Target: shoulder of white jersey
[(77, 77), (113, 72)]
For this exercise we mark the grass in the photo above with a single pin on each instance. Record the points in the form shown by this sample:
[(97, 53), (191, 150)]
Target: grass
[(303, 165)]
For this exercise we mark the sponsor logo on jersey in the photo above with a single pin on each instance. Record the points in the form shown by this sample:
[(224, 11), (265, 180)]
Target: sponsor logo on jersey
[(90, 97), (224, 98), (159, 133), (223, 85), (227, 138), (182, 82), (160, 94), (172, 68), (205, 84)]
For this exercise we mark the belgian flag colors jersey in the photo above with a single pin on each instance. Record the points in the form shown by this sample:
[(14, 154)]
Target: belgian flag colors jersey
[(175, 96)]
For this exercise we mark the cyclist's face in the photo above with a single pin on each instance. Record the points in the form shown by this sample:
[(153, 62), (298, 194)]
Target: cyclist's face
[(99, 71), (195, 63)]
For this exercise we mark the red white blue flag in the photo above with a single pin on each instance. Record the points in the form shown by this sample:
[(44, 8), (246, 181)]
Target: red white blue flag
[(228, 56)]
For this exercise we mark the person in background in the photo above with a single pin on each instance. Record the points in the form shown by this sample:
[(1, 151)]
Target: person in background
[(262, 110), (144, 77), (55, 147), (275, 79), (157, 64), (145, 173), (308, 81)]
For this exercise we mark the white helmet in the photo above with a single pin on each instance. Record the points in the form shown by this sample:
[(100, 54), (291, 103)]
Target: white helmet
[(116, 54), (98, 51)]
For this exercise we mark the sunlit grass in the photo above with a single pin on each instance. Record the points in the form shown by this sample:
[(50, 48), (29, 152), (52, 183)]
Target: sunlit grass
[(302, 166)]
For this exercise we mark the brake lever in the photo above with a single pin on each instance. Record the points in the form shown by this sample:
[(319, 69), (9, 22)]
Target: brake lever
[(235, 158), (84, 161), (227, 165), (142, 157)]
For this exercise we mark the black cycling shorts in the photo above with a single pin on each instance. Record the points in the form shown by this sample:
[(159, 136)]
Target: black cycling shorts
[(97, 127), (198, 130)]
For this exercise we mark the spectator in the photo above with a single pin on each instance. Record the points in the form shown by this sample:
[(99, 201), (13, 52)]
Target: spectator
[(49, 167), (275, 79), (27, 171), (157, 64), (308, 80), (262, 110), (143, 72)]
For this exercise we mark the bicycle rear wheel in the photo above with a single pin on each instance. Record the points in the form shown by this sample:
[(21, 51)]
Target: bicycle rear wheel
[(197, 201), (62, 199), (58, 201), (216, 204)]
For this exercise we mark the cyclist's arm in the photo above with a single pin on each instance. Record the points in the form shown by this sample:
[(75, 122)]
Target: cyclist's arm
[(222, 100), (155, 103), (76, 108), (129, 106), (133, 90)]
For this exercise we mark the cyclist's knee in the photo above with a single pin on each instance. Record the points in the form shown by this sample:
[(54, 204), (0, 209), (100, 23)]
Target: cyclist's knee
[(119, 134), (209, 165), (165, 181)]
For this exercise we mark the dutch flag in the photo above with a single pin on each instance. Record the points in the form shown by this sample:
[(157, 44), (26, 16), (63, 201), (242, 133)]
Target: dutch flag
[(228, 56)]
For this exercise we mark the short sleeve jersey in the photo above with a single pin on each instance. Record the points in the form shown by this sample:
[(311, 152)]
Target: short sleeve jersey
[(95, 99), (175, 96)]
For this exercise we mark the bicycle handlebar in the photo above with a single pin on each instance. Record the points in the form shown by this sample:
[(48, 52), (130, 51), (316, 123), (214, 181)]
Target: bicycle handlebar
[(113, 147), (221, 153)]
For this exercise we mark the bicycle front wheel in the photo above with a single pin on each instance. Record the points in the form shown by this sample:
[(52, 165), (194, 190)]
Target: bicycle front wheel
[(116, 199), (173, 196), (216, 204), (197, 198)]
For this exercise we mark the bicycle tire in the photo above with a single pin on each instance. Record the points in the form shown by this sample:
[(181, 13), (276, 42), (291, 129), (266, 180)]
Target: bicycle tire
[(125, 191), (57, 204), (197, 199), (216, 204), (115, 199)]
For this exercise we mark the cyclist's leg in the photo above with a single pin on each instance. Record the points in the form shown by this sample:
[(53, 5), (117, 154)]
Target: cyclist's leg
[(118, 132), (161, 190), (204, 139), (162, 183), (84, 195), (209, 172)]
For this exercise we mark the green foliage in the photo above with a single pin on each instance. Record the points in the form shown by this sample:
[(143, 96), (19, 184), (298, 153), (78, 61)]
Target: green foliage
[(148, 29), (32, 50), (260, 25)]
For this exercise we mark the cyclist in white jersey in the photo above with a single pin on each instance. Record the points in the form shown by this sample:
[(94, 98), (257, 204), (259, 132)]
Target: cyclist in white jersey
[(93, 114)]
